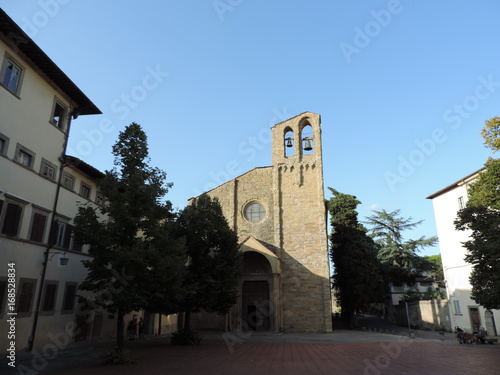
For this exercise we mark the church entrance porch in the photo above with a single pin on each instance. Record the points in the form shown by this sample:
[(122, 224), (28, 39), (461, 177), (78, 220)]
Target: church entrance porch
[(257, 310), (255, 305)]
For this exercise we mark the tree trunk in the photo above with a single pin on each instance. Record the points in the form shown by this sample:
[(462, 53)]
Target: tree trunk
[(187, 319), (159, 324), (120, 336)]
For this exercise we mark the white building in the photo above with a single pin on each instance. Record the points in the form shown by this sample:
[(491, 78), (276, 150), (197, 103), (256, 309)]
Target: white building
[(464, 311)]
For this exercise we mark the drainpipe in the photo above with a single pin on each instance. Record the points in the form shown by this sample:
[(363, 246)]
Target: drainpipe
[(50, 244)]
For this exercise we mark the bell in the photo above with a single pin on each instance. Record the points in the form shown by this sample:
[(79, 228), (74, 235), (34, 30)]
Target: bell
[(289, 142), (307, 146)]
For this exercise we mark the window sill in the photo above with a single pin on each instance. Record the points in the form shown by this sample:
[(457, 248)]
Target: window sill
[(11, 92)]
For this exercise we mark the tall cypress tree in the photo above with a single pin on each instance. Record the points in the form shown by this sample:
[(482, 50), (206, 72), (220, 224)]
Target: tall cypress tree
[(356, 279), (136, 262)]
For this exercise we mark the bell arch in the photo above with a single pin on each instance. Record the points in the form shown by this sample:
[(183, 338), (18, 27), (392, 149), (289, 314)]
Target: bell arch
[(288, 142), (306, 138)]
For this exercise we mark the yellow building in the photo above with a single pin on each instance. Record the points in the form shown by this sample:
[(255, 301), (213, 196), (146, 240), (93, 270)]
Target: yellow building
[(40, 188)]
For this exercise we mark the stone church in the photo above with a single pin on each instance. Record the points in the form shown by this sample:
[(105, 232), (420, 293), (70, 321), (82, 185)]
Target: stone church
[(280, 217)]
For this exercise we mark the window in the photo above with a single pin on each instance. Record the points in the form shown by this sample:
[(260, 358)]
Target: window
[(38, 226), (49, 297), (24, 156), (4, 144), (58, 115), (254, 212), (11, 75), (26, 292), (85, 191), (461, 203), (68, 305), (48, 169), (68, 181), (456, 306), (12, 219), (62, 234)]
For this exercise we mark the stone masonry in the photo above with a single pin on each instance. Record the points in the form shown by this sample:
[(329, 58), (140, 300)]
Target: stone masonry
[(279, 214)]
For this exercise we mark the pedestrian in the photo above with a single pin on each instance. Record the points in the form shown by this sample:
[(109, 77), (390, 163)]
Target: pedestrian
[(141, 328), (132, 328)]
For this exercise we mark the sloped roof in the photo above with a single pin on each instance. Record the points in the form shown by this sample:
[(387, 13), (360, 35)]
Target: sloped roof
[(454, 185), (20, 41)]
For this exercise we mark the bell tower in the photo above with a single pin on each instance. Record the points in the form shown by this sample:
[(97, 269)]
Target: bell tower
[(300, 227)]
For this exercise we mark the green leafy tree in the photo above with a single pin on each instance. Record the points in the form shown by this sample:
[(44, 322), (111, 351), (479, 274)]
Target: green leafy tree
[(356, 280), (214, 265), (136, 262), (399, 256), (481, 216), (491, 133), (436, 270)]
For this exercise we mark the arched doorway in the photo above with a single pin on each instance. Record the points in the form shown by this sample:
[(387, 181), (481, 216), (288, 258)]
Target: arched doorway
[(256, 305)]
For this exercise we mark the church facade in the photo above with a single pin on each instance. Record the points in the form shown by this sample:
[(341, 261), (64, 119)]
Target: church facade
[(280, 217)]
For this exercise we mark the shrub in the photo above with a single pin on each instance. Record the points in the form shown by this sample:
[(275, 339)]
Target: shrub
[(117, 357), (185, 337)]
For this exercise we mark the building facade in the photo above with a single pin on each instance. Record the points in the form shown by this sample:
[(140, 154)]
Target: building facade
[(279, 214), (464, 311), (40, 189)]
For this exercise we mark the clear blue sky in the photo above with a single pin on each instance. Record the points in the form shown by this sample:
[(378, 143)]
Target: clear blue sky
[(403, 87)]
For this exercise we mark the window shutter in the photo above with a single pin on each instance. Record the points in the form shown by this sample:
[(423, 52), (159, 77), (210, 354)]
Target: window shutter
[(67, 236), (12, 219), (38, 227)]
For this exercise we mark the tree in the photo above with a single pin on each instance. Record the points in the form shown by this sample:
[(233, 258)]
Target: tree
[(356, 278), (133, 250), (214, 265), (491, 134), (481, 216), (398, 256), (436, 270)]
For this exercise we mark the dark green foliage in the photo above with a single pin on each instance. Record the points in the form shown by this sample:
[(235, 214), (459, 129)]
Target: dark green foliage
[(211, 282), (481, 216), (356, 279), (185, 337), (483, 251), (117, 357), (436, 270), (398, 256), (137, 262)]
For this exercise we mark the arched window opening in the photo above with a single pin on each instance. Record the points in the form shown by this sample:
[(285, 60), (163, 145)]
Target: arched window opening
[(289, 143), (307, 140)]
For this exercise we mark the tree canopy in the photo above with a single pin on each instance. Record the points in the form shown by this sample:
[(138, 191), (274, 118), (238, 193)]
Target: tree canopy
[(135, 245), (356, 279), (491, 133), (214, 266), (481, 216), (398, 255)]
